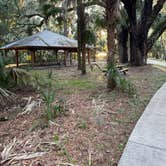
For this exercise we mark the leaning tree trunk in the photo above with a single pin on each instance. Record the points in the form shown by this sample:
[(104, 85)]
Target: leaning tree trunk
[(122, 42)]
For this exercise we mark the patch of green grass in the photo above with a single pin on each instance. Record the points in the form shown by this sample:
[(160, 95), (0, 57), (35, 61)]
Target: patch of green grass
[(121, 146), (80, 83), (63, 83), (121, 110), (82, 124)]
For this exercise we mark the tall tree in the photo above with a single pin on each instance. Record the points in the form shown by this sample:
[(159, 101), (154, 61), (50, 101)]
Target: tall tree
[(81, 29), (139, 27), (111, 15)]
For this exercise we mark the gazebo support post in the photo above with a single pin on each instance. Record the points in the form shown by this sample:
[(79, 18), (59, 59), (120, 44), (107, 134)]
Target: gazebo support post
[(88, 51), (94, 55), (16, 54), (65, 57), (6, 51), (33, 57), (56, 56), (71, 58)]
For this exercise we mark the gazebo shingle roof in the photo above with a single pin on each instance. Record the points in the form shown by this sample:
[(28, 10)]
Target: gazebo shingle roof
[(43, 39)]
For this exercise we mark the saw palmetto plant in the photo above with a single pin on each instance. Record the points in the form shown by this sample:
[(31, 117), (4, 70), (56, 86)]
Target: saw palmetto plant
[(9, 78)]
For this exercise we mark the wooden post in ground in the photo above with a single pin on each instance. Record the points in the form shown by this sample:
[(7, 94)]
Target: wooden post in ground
[(94, 55), (65, 57), (88, 51), (71, 58), (16, 54), (56, 56), (6, 51), (33, 57)]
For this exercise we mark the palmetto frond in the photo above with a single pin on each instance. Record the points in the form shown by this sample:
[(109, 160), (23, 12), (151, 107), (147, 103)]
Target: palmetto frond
[(5, 96), (20, 77)]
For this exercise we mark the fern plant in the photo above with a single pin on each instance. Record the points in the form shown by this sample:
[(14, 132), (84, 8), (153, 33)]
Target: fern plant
[(5, 96)]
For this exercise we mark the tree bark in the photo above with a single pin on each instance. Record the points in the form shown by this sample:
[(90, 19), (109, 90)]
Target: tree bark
[(122, 42), (81, 28), (111, 26), (111, 15), (65, 11), (159, 29), (135, 52), (143, 29)]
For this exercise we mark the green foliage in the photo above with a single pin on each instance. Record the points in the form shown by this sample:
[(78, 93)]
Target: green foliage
[(80, 83), (20, 77), (4, 75), (158, 50), (11, 77), (82, 124), (113, 75), (53, 107), (60, 142), (5, 96), (120, 81), (126, 86), (90, 36), (121, 146), (50, 10)]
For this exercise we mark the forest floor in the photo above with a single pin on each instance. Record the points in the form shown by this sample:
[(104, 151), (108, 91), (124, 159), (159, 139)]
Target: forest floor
[(94, 130)]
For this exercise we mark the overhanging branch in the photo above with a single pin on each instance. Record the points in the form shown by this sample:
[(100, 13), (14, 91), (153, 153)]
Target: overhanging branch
[(159, 29), (155, 12)]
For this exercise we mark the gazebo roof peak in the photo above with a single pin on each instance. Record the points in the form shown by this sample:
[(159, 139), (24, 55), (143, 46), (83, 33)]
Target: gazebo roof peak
[(45, 38)]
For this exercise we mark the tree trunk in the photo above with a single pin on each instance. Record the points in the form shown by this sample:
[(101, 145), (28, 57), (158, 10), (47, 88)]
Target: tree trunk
[(83, 60), (111, 15), (136, 58), (158, 30), (122, 42), (111, 26), (65, 12), (140, 44), (79, 58), (81, 27)]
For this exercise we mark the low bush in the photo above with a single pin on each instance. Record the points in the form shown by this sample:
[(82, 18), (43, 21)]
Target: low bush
[(53, 106), (118, 80)]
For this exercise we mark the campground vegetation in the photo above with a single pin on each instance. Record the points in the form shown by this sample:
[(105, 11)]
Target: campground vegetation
[(80, 114)]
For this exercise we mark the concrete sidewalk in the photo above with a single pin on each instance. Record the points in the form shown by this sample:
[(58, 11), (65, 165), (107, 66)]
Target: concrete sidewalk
[(147, 143), (156, 62)]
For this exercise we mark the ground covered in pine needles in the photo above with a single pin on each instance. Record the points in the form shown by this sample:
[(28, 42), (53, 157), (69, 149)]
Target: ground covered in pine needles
[(92, 132)]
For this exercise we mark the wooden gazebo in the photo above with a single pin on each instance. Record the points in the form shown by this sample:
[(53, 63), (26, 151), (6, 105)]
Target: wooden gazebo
[(45, 40)]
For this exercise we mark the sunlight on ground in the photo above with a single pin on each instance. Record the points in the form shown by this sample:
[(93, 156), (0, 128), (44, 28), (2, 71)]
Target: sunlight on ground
[(101, 56), (161, 68)]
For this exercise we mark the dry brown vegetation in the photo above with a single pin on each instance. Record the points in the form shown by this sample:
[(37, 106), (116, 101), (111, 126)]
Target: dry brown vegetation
[(94, 130)]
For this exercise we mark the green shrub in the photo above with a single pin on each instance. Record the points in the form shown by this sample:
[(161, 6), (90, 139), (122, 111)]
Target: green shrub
[(10, 77), (118, 80), (45, 86)]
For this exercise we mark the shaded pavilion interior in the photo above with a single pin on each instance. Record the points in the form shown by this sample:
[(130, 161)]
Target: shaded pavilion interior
[(45, 40)]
